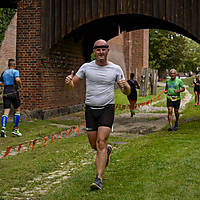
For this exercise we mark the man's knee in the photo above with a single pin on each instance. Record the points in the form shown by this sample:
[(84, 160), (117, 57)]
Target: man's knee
[(6, 111), (176, 112), (101, 144), (170, 111)]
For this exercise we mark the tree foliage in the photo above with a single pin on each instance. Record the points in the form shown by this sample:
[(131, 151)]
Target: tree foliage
[(6, 14), (171, 50)]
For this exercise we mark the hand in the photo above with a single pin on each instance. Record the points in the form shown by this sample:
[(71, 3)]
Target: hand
[(177, 91), (68, 79), (122, 83)]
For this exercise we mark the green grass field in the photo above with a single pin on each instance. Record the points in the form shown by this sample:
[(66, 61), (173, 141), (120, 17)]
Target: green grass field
[(159, 166)]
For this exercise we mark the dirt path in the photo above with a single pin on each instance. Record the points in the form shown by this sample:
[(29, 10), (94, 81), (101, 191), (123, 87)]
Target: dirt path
[(144, 122)]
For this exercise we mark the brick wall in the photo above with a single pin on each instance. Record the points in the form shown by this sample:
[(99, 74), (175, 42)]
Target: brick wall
[(43, 73), (58, 63), (28, 54), (140, 51), (131, 51), (43, 93), (116, 53)]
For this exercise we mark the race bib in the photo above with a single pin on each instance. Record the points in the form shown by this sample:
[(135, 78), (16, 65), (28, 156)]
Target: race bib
[(173, 98)]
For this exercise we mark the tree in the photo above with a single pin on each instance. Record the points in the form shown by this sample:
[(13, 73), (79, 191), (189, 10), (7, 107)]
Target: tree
[(6, 14), (191, 57), (171, 50)]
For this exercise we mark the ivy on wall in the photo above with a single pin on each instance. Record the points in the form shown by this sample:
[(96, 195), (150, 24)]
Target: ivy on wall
[(6, 15)]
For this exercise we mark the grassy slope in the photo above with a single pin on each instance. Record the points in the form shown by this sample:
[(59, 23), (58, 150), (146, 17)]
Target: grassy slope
[(163, 165), (158, 166)]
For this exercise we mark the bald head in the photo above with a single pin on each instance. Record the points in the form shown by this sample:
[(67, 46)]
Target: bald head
[(100, 44), (101, 49)]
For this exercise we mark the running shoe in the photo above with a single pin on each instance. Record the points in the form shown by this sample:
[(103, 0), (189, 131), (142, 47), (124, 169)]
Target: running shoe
[(132, 113), (97, 185), (175, 128), (3, 133), (170, 129), (16, 132), (109, 150)]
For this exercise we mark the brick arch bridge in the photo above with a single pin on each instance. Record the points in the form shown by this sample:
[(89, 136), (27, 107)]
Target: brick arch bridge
[(56, 36)]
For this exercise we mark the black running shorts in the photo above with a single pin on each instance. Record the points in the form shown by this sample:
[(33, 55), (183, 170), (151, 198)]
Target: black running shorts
[(99, 116), (11, 98), (174, 104), (197, 89)]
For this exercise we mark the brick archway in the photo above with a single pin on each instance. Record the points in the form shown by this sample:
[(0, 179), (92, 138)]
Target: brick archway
[(54, 37)]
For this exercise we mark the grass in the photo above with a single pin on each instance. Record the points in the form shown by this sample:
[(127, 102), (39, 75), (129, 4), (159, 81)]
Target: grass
[(159, 166), (32, 129), (123, 100)]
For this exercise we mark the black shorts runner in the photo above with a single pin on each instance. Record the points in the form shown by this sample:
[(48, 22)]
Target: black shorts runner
[(197, 89), (174, 104), (11, 98), (99, 116)]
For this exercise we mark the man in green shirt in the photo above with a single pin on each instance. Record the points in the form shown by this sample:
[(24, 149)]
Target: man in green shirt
[(174, 86)]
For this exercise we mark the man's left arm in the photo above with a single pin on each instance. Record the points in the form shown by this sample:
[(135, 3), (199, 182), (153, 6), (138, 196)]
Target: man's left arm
[(137, 85), (18, 81), (124, 87), (17, 78)]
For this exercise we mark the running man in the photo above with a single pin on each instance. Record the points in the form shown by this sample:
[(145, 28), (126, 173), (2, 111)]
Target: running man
[(101, 76), (11, 81), (133, 95), (174, 86), (196, 84)]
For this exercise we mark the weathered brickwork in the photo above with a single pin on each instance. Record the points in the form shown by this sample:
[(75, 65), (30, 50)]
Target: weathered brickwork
[(28, 54), (56, 64), (140, 51), (116, 53), (43, 74), (131, 51)]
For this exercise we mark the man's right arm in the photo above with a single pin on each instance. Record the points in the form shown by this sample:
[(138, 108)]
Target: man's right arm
[(166, 89)]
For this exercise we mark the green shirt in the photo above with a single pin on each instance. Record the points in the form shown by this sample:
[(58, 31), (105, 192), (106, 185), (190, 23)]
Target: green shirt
[(172, 85)]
